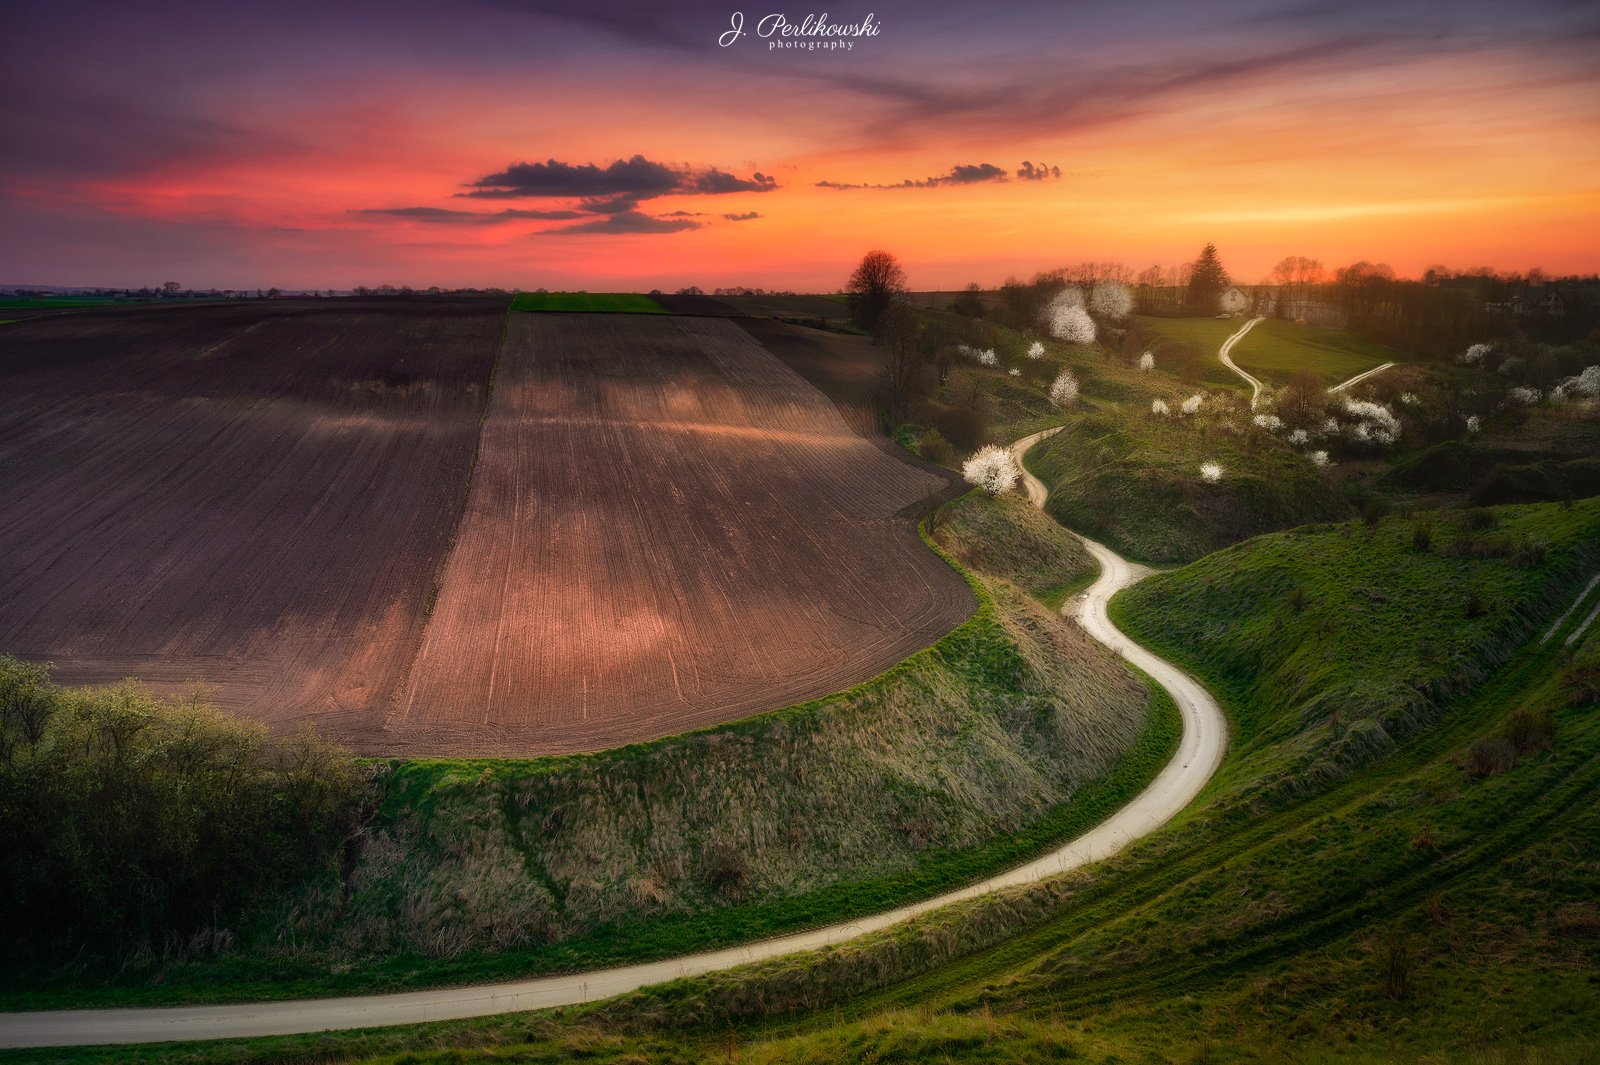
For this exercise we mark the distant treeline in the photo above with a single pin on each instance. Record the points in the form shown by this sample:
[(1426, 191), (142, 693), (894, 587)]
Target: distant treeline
[(130, 822)]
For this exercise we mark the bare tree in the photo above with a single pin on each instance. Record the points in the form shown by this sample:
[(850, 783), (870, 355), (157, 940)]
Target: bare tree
[(877, 282)]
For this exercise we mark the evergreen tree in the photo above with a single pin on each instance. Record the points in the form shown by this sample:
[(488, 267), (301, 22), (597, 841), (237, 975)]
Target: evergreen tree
[(1207, 281)]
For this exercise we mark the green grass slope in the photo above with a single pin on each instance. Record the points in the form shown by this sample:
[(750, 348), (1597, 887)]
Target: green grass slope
[(1014, 732), (1134, 480), (1010, 538), (1433, 899), (1276, 349)]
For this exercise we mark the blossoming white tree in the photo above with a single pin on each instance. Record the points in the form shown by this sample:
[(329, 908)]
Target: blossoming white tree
[(1064, 389), (1319, 458), (1159, 406), (1375, 423), (1067, 320), (1474, 355), (1473, 423), (1192, 404), (1112, 300), (1585, 384), (1147, 362), (1211, 472), (1298, 437), (991, 468), (1015, 371), (1270, 422), (1035, 350), (988, 357)]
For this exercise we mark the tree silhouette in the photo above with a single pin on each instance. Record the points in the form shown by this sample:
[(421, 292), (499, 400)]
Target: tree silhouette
[(1207, 281), (877, 281)]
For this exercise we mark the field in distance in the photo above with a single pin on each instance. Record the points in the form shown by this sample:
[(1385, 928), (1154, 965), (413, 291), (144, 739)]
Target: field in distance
[(1275, 349), (667, 529), (601, 302)]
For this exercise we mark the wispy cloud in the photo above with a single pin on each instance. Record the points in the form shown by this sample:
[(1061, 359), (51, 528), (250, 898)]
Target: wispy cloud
[(624, 223), (961, 174), (445, 216), (748, 216)]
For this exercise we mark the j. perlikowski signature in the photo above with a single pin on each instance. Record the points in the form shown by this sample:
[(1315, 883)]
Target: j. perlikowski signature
[(809, 34)]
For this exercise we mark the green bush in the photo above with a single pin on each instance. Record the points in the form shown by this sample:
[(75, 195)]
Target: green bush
[(129, 821)]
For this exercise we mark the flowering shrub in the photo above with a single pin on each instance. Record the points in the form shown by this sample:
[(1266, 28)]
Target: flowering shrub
[(1409, 399), (1068, 320), (1524, 396), (1270, 422), (988, 357), (1014, 372), (1064, 389), (1474, 355), (1111, 299), (1375, 423), (1192, 404), (1158, 406), (1319, 458), (1299, 436), (1585, 384), (991, 468), (1035, 350), (1147, 362), (1473, 423), (1210, 472)]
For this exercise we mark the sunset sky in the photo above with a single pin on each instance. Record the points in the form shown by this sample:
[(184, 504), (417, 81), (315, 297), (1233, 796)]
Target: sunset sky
[(600, 145)]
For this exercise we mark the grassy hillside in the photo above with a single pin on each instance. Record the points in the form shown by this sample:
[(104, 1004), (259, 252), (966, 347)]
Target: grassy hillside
[(1010, 538), (1134, 480), (1433, 900), (1013, 732), (1276, 349)]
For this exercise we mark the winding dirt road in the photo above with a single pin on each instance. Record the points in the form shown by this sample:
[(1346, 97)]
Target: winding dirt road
[(1199, 753), (1227, 360), (1358, 378)]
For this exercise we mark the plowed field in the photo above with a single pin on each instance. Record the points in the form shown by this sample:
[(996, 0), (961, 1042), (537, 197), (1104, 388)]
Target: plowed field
[(667, 529), (253, 496)]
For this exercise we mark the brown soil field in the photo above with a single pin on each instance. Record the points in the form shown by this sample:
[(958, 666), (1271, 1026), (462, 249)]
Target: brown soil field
[(257, 497), (667, 529)]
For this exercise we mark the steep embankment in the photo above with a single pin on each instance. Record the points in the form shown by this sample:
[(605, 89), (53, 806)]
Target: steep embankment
[(1013, 732)]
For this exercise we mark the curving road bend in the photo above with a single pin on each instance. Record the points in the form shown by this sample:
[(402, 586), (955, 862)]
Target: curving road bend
[(1227, 360), (1199, 753)]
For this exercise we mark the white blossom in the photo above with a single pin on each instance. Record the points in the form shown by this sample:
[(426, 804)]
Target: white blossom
[(1158, 406), (1473, 423), (1014, 372), (1270, 422), (1211, 472), (988, 357), (1474, 355), (1524, 396), (1068, 320), (1299, 436), (1409, 399), (991, 468), (1111, 299), (1319, 458), (1035, 350), (1147, 362), (1375, 423), (1585, 384), (1192, 404), (1064, 389), (1330, 426)]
